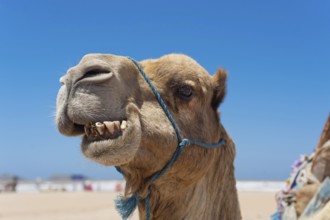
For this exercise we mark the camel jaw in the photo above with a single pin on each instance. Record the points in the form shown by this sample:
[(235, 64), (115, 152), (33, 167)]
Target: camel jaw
[(113, 143)]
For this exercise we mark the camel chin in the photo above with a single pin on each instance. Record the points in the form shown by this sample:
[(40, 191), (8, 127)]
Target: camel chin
[(113, 143)]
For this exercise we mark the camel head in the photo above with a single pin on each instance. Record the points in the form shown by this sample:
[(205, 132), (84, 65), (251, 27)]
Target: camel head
[(105, 100)]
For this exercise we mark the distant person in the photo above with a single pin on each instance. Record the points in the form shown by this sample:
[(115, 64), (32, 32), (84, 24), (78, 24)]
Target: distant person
[(11, 186)]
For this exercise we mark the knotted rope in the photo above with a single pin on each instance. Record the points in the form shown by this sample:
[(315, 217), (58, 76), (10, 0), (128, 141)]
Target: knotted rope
[(126, 206)]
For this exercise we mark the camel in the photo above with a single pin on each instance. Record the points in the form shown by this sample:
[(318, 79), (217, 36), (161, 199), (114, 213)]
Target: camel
[(106, 101), (314, 170)]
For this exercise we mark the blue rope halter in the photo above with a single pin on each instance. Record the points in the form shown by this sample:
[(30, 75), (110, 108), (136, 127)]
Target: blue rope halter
[(126, 206)]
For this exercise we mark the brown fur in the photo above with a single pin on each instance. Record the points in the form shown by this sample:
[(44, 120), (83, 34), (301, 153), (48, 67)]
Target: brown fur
[(201, 184), (325, 136), (320, 169), (321, 162), (304, 195)]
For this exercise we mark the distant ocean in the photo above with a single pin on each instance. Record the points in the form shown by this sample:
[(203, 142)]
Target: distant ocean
[(118, 185)]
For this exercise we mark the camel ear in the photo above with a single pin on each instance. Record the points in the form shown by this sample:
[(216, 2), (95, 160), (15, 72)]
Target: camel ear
[(219, 85)]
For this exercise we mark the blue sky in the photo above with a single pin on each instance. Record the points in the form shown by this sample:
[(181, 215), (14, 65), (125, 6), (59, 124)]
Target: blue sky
[(277, 54)]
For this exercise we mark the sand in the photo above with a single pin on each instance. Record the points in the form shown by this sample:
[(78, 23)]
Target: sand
[(100, 206)]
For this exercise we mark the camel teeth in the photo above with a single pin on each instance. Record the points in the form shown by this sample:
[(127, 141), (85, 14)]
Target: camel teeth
[(93, 131), (87, 131), (110, 126), (123, 125), (117, 125), (100, 127)]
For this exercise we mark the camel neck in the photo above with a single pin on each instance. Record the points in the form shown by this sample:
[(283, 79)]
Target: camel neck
[(214, 196)]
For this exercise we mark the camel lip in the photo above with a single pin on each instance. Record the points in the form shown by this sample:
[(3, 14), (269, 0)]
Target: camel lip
[(116, 150), (112, 150), (69, 128)]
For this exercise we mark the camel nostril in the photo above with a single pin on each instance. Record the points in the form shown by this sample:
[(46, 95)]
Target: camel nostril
[(96, 75), (95, 72)]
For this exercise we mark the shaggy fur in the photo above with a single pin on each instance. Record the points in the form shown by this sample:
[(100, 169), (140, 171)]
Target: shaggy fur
[(201, 184), (320, 169), (325, 136), (304, 195)]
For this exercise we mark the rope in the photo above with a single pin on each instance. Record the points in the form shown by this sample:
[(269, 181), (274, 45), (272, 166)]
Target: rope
[(159, 98), (127, 206), (147, 203)]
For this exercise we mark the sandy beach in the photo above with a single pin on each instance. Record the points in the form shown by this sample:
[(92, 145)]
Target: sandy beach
[(100, 206)]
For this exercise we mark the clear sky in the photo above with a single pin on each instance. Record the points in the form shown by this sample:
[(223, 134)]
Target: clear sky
[(277, 54)]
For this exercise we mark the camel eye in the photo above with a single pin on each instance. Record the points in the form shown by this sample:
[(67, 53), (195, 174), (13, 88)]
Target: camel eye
[(185, 92)]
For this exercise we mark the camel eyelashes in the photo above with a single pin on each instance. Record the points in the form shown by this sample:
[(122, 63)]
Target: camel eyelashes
[(185, 92)]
